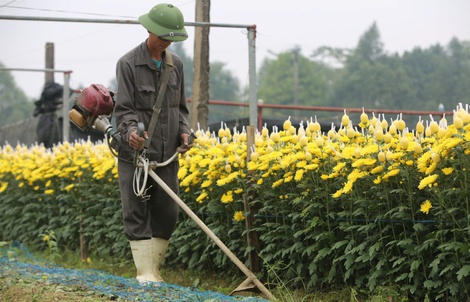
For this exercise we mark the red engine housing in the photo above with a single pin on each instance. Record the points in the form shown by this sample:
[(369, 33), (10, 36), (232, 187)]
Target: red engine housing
[(92, 102)]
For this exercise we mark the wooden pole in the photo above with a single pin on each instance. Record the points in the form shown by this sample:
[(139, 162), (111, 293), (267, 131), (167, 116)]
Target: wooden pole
[(200, 99), (49, 75), (83, 242), (251, 236)]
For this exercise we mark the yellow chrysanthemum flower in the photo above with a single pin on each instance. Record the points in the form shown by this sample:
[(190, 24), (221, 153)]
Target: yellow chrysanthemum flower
[(348, 187), (391, 173), (377, 169), (182, 172), (227, 197), (201, 197), (429, 180), (426, 206), (238, 216), (338, 193), (207, 183), (3, 186), (448, 170), (277, 183), (69, 187), (430, 169), (299, 175)]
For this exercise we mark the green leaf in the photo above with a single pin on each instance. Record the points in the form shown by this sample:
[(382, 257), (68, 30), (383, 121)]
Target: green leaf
[(447, 268), (339, 244), (463, 272), (374, 249), (418, 226), (415, 265), (432, 284), (401, 277), (363, 258), (322, 253), (380, 264), (309, 250), (465, 248), (398, 261)]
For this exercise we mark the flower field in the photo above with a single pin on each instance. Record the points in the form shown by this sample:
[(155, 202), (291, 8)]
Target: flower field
[(378, 204)]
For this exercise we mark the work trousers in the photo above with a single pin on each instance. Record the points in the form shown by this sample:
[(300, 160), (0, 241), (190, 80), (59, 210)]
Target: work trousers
[(156, 216)]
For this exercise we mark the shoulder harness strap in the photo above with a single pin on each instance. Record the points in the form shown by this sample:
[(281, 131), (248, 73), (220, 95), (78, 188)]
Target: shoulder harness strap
[(159, 97)]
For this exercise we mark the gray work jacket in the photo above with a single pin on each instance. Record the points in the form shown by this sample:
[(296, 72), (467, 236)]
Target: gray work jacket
[(138, 81)]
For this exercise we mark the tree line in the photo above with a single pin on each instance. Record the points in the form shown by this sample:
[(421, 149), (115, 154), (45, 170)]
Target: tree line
[(367, 76)]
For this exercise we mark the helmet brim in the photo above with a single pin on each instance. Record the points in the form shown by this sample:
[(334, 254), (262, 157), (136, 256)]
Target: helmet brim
[(175, 35)]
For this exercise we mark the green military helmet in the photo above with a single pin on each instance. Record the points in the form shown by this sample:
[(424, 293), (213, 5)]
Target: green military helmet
[(165, 21)]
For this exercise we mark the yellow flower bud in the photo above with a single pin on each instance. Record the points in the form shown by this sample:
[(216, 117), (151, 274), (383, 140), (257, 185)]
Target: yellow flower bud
[(417, 148), (434, 127), (458, 122), (287, 124), (435, 157), (419, 127), (404, 143), (345, 119), (381, 156), (319, 141), (364, 118)]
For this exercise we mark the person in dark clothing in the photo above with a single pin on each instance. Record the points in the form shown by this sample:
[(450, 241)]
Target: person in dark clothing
[(149, 222), (48, 129)]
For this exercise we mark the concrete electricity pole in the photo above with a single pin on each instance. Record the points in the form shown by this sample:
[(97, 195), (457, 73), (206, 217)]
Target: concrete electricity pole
[(200, 99), (49, 75)]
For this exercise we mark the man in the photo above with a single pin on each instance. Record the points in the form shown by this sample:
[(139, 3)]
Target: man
[(150, 220)]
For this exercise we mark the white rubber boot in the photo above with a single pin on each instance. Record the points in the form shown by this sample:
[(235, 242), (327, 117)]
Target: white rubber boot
[(143, 260), (159, 248)]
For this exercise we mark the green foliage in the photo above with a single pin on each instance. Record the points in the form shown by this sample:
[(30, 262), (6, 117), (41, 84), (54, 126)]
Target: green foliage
[(14, 105), (92, 208), (369, 240), (223, 84), (51, 240), (277, 81)]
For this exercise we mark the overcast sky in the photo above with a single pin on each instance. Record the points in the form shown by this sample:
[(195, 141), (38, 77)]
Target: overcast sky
[(91, 50)]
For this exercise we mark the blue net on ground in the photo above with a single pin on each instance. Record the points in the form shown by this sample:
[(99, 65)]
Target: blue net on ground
[(16, 260)]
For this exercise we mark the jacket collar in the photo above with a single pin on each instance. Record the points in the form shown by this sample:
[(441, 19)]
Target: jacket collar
[(143, 56)]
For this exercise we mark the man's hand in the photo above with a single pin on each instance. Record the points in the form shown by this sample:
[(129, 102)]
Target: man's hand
[(186, 144), (136, 141)]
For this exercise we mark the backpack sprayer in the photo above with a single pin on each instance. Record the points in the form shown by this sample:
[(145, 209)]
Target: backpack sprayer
[(93, 110)]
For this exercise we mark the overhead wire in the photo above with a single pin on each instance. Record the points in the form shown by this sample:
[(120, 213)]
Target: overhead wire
[(11, 2), (8, 5), (63, 11)]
